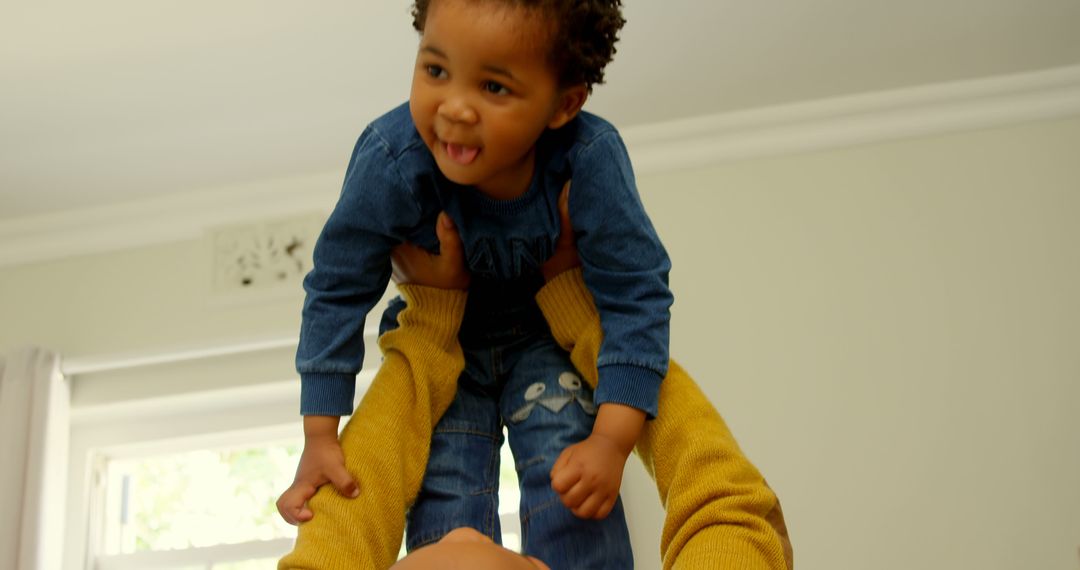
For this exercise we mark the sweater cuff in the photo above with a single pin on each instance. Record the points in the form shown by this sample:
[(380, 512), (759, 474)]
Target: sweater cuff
[(327, 394), (715, 545), (437, 313), (567, 305), (629, 385)]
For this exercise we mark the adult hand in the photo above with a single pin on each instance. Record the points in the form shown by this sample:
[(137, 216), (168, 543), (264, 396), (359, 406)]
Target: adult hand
[(414, 264), (566, 255)]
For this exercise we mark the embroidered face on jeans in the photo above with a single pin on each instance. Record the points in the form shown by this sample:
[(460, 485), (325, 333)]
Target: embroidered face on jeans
[(536, 395)]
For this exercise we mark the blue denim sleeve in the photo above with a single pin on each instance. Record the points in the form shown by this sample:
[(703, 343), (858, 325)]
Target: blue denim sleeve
[(351, 270), (626, 269)]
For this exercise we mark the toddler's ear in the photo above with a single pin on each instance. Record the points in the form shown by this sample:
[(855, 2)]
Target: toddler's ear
[(570, 102)]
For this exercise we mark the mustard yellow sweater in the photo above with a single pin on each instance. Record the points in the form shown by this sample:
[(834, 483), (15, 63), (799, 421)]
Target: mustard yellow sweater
[(387, 440), (720, 513)]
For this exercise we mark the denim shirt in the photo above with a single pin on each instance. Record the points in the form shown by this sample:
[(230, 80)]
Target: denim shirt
[(393, 192)]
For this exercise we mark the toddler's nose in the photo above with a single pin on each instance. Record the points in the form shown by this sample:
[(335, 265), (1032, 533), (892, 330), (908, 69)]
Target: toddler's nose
[(457, 110)]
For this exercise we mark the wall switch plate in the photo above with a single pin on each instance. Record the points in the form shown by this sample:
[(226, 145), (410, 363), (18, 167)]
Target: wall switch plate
[(264, 255)]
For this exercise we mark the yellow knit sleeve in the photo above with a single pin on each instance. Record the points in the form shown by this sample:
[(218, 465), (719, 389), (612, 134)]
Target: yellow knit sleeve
[(574, 321), (387, 440), (719, 512)]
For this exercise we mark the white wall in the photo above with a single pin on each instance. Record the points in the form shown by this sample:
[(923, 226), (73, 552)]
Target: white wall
[(893, 332), (133, 301)]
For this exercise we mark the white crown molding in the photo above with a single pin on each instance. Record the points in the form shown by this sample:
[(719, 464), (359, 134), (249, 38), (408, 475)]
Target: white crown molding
[(855, 120), (77, 366), (676, 145), (161, 220)]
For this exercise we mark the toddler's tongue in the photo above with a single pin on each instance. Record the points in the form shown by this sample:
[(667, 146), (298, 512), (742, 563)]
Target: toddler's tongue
[(461, 154)]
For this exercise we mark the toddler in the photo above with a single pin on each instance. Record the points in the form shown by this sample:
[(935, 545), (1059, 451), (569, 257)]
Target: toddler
[(491, 135)]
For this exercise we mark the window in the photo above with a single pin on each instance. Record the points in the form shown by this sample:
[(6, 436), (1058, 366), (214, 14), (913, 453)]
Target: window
[(509, 500), (188, 480), (211, 509), (183, 481)]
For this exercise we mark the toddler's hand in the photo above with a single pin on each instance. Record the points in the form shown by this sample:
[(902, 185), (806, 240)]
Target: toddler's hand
[(587, 476), (322, 462)]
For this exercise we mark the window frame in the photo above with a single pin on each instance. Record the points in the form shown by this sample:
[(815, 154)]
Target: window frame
[(171, 419), (228, 417), (206, 556)]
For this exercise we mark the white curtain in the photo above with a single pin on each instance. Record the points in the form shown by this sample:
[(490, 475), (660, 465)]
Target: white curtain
[(34, 427)]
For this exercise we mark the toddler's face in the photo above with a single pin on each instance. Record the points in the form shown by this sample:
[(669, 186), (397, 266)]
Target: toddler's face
[(483, 92)]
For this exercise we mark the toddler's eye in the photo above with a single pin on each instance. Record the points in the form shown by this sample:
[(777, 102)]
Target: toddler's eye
[(496, 88), (436, 71)]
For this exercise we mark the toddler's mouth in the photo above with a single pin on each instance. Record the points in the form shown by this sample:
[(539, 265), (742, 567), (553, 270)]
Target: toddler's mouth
[(461, 154)]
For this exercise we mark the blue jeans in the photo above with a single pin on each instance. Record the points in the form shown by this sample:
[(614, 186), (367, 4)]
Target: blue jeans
[(515, 375)]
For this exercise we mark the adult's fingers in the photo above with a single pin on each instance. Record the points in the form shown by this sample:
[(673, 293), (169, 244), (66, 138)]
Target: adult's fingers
[(566, 231), (404, 258), (449, 238), (565, 256)]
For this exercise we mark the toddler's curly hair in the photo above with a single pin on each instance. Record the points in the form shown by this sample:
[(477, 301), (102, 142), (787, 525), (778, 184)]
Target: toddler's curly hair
[(582, 39)]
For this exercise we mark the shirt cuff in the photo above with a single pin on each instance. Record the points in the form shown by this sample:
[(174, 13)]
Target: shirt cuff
[(327, 394), (432, 314), (629, 385)]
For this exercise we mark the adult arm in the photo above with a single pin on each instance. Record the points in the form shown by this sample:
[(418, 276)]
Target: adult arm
[(387, 441), (720, 513)]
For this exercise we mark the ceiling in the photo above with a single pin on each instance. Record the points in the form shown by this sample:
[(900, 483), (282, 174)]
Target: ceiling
[(120, 100)]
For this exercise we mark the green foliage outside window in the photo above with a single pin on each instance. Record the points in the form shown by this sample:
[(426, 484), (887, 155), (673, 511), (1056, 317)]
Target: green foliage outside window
[(205, 497)]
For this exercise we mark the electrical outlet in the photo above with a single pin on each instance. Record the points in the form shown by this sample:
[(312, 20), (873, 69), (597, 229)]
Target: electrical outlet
[(267, 255)]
